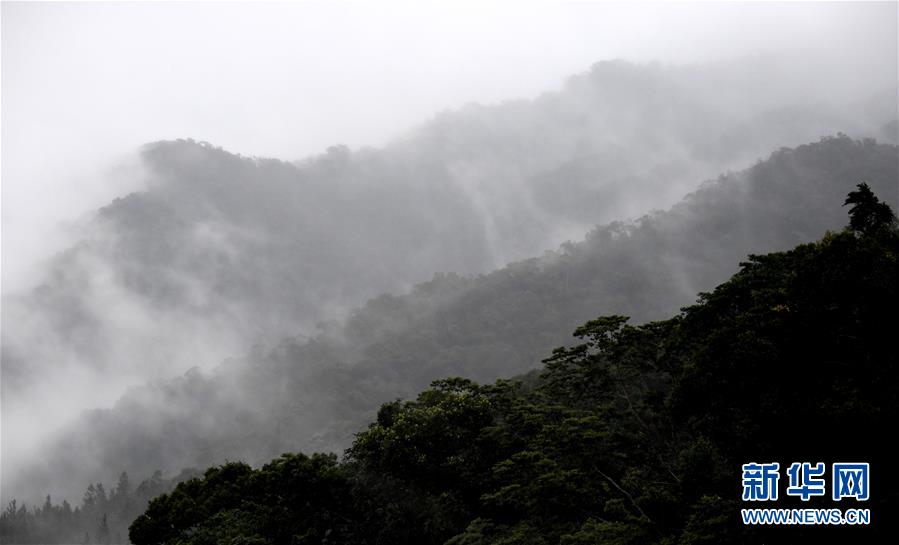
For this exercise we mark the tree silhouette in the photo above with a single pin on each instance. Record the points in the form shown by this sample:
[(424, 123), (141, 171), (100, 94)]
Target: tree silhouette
[(868, 214), (103, 531)]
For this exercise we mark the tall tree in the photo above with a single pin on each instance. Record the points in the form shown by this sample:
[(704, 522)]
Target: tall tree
[(868, 214)]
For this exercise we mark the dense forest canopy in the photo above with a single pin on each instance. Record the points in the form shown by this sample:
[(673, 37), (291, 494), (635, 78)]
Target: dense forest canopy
[(633, 436)]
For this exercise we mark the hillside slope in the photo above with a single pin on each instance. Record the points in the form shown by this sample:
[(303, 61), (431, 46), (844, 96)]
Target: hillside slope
[(635, 435), (313, 394), (222, 251)]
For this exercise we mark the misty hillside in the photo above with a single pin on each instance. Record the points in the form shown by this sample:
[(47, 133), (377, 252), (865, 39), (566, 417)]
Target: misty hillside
[(312, 394), (632, 436), (222, 251)]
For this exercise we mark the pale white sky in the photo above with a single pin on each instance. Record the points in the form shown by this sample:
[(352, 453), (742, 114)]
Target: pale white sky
[(83, 85)]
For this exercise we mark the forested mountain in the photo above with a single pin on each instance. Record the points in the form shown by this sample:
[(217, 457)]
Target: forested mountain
[(223, 251), (636, 435), (296, 274), (313, 394)]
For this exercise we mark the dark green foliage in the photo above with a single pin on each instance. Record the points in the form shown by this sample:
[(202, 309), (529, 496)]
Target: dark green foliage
[(635, 435), (292, 500), (868, 214)]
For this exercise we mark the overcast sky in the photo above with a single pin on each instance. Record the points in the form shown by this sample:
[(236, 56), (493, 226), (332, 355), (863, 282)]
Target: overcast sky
[(83, 85)]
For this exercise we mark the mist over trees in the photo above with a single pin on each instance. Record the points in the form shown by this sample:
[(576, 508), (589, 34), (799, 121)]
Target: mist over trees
[(103, 517), (242, 307), (313, 394), (631, 436), (223, 251)]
